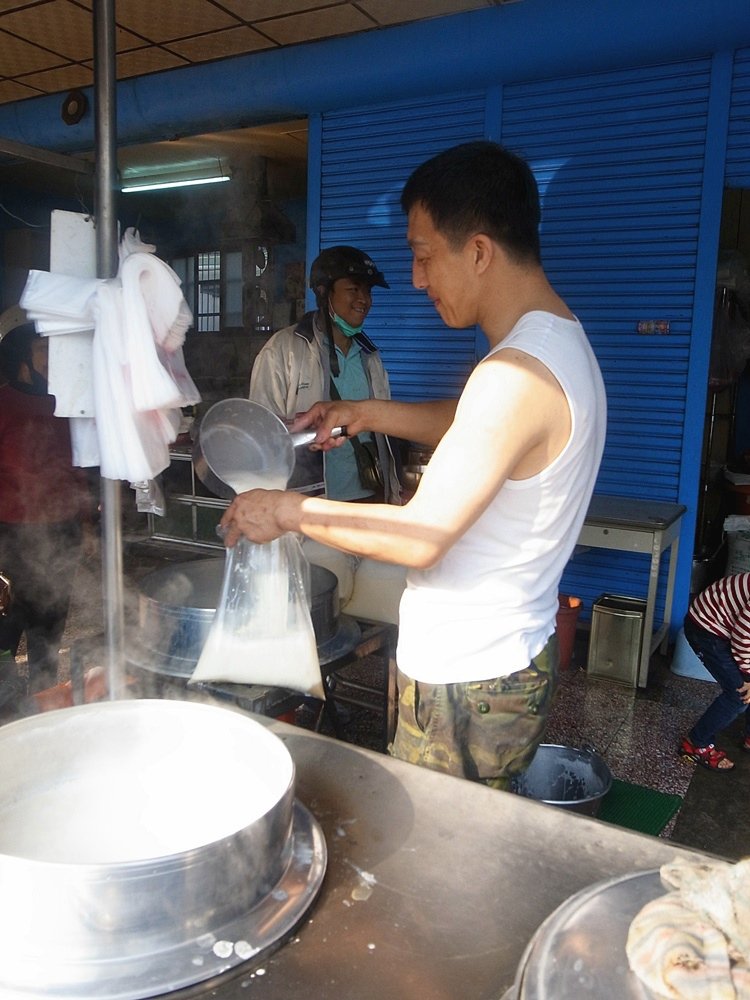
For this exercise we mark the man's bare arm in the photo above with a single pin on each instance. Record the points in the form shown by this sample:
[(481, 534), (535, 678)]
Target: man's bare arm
[(424, 423)]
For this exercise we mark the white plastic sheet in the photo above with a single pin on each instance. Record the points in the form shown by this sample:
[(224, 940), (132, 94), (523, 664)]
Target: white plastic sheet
[(140, 319)]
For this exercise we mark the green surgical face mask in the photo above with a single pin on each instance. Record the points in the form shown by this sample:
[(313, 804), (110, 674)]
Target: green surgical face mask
[(346, 328)]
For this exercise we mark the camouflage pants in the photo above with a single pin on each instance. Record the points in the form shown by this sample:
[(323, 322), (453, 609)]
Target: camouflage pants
[(485, 731)]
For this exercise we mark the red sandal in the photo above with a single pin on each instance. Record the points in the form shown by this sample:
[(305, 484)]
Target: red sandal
[(745, 744), (708, 757)]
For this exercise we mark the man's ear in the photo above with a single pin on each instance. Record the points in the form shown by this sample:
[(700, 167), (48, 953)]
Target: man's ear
[(24, 373), (483, 250)]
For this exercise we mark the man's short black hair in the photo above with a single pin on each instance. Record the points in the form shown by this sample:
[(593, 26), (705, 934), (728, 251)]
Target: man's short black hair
[(479, 187)]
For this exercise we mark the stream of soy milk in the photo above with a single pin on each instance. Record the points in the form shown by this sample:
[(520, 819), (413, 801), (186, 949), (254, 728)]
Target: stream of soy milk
[(241, 481)]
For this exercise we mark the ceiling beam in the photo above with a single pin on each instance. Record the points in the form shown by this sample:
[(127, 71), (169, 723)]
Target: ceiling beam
[(60, 160)]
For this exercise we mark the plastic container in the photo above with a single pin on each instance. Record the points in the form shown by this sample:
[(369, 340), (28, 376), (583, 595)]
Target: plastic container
[(566, 623), (685, 663)]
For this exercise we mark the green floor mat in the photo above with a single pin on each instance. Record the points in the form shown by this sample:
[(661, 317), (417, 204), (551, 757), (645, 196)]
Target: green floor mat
[(638, 808)]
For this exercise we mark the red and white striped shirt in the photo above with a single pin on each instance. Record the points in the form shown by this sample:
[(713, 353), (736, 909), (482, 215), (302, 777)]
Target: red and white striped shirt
[(723, 608)]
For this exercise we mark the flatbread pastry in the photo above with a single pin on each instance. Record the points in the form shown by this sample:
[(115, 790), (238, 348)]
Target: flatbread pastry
[(694, 942)]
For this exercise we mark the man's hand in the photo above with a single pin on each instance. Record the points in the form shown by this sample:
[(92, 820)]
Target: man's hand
[(261, 516), (425, 423), (324, 416), (744, 691)]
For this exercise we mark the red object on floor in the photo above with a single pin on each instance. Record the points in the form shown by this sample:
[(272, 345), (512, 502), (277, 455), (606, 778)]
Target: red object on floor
[(61, 695), (566, 622), (289, 717)]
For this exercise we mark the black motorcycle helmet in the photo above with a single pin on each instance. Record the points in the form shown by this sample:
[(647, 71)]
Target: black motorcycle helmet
[(342, 262)]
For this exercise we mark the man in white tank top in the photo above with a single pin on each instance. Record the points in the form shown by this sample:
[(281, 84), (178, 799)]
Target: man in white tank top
[(500, 506)]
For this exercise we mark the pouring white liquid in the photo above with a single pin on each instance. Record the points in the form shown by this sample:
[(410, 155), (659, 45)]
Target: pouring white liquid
[(241, 481), (246, 446)]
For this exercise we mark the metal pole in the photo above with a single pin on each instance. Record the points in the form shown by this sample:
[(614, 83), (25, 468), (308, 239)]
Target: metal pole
[(105, 86)]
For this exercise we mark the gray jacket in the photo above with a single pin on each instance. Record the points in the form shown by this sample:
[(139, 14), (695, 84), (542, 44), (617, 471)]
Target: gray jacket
[(292, 371)]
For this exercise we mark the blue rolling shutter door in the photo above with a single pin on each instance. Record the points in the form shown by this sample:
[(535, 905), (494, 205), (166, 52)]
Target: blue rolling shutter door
[(738, 142), (366, 156), (619, 160)]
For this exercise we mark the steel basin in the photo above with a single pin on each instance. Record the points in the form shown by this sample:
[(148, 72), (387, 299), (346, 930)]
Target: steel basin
[(134, 835), (566, 777), (177, 604)]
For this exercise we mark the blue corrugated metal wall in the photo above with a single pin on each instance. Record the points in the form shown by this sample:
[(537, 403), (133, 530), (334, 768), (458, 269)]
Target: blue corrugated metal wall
[(619, 159), (366, 156), (738, 141)]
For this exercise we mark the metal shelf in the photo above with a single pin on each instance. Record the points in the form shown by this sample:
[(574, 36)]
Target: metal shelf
[(188, 519)]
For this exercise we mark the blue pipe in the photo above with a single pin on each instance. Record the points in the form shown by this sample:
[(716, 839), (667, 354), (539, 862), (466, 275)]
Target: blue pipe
[(533, 39)]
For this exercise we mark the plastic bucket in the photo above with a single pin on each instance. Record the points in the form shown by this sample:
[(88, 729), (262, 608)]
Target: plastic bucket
[(686, 663), (566, 777), (566, 623)]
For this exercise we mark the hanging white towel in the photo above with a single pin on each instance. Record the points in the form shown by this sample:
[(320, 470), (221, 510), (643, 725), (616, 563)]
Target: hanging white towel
[(58, 303), (140, 380)]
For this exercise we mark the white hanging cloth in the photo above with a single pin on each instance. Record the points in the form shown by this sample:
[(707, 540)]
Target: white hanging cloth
[(140, 381)]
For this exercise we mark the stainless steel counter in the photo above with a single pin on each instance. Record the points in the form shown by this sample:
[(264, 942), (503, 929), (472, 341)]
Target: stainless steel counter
[(434, 884)]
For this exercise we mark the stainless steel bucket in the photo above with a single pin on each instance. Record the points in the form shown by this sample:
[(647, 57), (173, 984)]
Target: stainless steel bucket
[(177, 603), (137, 836), (566, 777)]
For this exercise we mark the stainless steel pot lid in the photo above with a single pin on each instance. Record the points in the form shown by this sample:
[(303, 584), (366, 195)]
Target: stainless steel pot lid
[(579, 950)]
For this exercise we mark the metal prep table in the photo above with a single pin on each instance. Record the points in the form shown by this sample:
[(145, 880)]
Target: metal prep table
[(434, 884), (648, 526)]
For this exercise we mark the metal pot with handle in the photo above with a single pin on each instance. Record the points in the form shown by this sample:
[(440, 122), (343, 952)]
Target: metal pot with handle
[(241, 445)]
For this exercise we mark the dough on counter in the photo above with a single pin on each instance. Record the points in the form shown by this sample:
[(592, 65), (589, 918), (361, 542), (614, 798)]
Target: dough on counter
[(721, 893), (692, 943)]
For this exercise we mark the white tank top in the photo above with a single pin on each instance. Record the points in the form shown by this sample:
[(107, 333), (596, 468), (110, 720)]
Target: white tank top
[(488, 607)]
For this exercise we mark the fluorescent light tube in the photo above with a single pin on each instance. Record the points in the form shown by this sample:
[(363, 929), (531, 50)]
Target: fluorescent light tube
[(146, 185)]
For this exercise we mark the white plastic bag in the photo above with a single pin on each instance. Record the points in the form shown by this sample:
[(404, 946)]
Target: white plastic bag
[(262, 632)]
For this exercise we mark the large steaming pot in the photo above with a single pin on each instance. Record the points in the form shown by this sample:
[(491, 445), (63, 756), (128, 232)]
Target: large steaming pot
[(146, 846), (177, 604)]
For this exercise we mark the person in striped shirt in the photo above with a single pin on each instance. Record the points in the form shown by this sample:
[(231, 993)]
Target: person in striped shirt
[(717, 628)]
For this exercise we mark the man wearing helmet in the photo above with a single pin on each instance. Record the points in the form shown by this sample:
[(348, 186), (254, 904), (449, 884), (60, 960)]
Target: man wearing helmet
[(327, 355), (499, 509)]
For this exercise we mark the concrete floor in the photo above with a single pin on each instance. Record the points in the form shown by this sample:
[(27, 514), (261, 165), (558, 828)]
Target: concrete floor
[(636, 731), (714, 815)]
